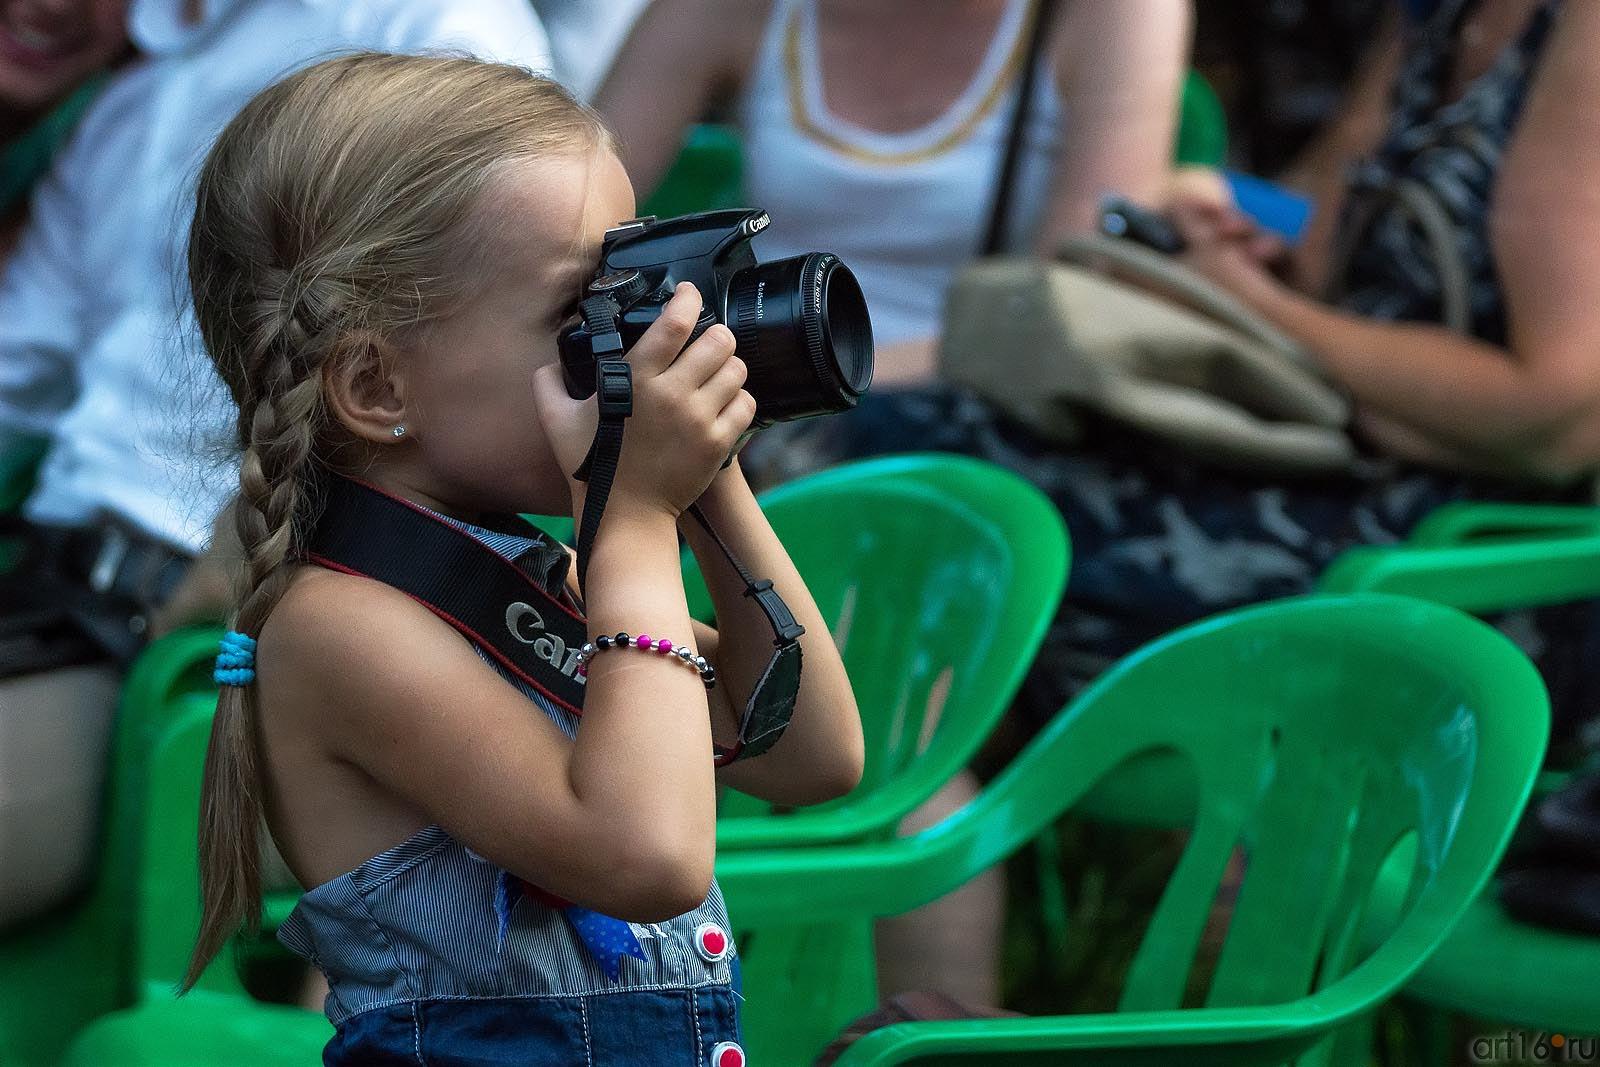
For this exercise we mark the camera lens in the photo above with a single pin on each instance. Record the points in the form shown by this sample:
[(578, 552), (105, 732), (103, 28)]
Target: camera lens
[(804, 333)]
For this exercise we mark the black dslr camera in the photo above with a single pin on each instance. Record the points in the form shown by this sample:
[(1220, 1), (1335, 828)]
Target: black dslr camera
[(801, 323)]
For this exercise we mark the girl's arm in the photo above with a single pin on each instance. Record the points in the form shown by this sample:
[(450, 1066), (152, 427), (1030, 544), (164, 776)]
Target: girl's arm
[(1532, 406), (821, 755), (1119, 70)]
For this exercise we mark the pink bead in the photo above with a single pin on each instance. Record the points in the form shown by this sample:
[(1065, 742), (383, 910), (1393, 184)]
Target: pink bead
[(642, 641), (663, 645)]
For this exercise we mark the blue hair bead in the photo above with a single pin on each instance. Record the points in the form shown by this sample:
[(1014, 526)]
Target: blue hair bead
[(236, 662)]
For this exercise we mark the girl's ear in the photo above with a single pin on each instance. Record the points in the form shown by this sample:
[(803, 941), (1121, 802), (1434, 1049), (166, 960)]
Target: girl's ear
[(365, 388)]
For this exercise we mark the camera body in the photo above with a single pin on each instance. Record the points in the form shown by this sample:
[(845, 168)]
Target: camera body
[(801, 323)]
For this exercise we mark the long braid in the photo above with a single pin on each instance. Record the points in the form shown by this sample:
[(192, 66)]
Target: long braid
[(335, 204), (271, 512)]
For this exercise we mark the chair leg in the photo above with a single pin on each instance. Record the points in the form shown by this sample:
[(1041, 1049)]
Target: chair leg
[(1434, 1029)]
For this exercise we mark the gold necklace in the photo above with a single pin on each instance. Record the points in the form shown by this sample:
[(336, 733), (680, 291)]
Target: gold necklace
[(807, 125)]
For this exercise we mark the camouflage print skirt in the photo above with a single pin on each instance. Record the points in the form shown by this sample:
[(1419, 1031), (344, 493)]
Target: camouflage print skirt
[(1159, 540)]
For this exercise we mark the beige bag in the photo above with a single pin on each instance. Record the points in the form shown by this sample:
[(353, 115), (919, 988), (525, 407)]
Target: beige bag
[(1049, 341)]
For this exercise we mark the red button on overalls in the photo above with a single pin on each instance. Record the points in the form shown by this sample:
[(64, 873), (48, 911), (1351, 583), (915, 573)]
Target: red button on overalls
[(727, 1054), (711, 941)]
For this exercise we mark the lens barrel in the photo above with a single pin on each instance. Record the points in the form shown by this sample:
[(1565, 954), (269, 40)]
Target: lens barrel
[(804, 333)]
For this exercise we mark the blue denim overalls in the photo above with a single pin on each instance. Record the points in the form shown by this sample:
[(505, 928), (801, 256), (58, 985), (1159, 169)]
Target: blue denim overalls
[(423, 968)]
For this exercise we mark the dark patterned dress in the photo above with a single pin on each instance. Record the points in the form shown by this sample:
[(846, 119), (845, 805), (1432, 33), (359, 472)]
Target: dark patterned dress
[(1160, 540)]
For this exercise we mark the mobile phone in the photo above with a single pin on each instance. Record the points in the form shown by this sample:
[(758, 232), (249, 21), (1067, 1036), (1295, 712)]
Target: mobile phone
[(1121, 217)]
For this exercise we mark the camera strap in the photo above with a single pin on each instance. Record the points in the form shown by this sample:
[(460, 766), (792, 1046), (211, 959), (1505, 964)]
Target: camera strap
[(509, 608), (614, 394), (771, 705)]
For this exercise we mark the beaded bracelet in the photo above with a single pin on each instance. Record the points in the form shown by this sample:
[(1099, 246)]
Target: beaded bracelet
[(708, 673)]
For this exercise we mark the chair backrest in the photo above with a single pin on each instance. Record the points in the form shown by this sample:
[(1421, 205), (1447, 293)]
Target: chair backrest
[(88, 959), (1323, 734), (938, 575), (163, 724)]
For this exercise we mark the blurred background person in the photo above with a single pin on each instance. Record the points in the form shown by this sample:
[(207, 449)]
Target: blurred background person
[(1482, 109), (585, 36), (50, 57), (876, 130), (100, 359)]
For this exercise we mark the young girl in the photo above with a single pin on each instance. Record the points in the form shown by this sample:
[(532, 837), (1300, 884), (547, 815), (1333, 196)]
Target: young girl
[(383, 251)]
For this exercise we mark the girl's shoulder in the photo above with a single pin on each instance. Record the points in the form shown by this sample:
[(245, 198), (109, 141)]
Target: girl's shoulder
[(317, 596), (328, 624)]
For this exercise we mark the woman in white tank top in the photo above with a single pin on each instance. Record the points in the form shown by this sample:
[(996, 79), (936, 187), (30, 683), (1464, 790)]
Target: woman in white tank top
[(875, 128)]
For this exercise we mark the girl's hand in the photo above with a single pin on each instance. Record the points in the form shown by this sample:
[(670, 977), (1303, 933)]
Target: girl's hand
[(689, 408)]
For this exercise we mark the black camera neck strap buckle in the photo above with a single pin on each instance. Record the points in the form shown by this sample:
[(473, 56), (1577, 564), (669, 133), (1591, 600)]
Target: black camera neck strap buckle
[(771, 705)]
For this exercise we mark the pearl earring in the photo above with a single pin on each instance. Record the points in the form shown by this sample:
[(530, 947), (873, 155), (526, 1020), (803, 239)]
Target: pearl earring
[(399, 431)]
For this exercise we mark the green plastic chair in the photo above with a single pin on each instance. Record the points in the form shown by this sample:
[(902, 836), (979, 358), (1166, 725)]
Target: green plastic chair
[(60, 972), (1326, 737), (218, 1022), (126, 942), (1473, 521), (1481, 558), (937, 574), (18, 463)]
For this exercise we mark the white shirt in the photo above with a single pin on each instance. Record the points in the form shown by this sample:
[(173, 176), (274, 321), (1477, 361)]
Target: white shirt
[(904, 211), (585, 36), (98, 345)]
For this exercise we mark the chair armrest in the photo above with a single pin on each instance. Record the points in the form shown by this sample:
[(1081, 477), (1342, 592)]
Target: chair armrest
[(1455, 524), (1481, 577), (1206, 1037), (874, 812)]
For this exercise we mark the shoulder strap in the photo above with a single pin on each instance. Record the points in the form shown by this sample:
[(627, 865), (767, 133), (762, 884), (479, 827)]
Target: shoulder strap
[(483, 595), (994, 237)]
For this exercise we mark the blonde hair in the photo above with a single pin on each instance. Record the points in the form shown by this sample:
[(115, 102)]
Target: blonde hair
[(330, 209)]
